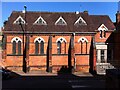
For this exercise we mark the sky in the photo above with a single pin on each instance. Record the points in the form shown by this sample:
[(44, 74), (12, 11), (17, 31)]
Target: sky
[(93, 8)]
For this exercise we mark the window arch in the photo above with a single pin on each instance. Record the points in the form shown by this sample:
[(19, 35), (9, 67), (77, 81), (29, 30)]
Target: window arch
[(39, 45), (83, 45), (102, 29), (16, 45), (61, 45)]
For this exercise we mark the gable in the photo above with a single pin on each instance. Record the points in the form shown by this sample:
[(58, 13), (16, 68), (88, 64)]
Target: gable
[(18, 20), (103, 28), (40, 21), (60, 21), (80, 21)]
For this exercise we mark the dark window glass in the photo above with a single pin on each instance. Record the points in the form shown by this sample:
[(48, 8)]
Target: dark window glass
[(102, 56), (14, 47), (58, 47), (104, 33), (42, 47), (101, 33), (36, 47), (19, 47)]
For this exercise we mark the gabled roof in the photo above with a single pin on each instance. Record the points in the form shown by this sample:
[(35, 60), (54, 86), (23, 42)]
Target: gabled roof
[(93, 22)]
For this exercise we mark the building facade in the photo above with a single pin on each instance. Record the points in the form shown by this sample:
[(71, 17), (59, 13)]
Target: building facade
[(49, 41)]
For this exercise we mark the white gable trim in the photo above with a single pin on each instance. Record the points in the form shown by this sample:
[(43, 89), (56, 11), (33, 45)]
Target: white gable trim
[(15, 22), (39, 41), (16, 39), (56, 23), (80, 18), (45, 23), (82, 39), (61, 39), (103, 28)]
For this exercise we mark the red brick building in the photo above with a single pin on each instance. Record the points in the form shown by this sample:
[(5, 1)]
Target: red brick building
[(49, 41)]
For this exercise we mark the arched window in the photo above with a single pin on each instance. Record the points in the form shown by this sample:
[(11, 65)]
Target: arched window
[(102, 29), (42, 47), (83, 45), (36, 47), (19, 47), (39, 45), (61, 45), (16, 45)]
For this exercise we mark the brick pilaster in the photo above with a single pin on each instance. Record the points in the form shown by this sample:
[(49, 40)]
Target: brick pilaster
[(49, 55)]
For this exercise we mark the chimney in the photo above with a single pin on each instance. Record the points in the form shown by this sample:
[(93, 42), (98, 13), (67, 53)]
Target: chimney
[(86, 11), (117, 17)]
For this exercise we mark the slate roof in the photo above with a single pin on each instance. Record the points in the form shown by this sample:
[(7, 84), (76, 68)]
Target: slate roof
[(93, 22)]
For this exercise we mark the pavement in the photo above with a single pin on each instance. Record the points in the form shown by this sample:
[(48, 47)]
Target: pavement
[(43, 73)]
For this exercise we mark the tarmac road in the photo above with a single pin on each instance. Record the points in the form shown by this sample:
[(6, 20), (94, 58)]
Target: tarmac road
[(53, 81)]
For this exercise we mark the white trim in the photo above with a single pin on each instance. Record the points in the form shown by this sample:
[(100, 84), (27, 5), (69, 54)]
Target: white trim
[(103, 28), (101, 47), (18, 19), (16, 39), (59, 39), (56, 23), (80, 18), (41, 39), (40, 23), (82, 39)]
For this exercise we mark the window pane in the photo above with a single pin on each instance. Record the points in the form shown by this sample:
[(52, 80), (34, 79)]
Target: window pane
[(58, 47), (19, 47), (104, 33), (36, 47), (101, 33), (42, 47), (14, 47), (102, 56)]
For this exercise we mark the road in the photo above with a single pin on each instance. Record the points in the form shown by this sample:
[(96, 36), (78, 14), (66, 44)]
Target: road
[(59, 81)]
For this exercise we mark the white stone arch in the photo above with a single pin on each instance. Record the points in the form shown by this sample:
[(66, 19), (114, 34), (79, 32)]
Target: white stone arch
[(43, 21), (61, 39), (39, 39), (17, 20), (60, 18), (102, 28), (16, 39), (82, 39)]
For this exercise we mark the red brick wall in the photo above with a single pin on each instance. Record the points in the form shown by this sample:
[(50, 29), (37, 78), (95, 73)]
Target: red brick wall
[(57, 60)]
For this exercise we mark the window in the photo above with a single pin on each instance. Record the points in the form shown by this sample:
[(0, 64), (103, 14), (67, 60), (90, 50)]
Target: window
[(104, 33), (61, 45), (102, 29), (83, 45), (101, 34), (18, 20), (39, 45), (80, 21), (40, 21), (19, 47), (102, 56), (42, 47), (60, 21), (36, 47), (16, 45)]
